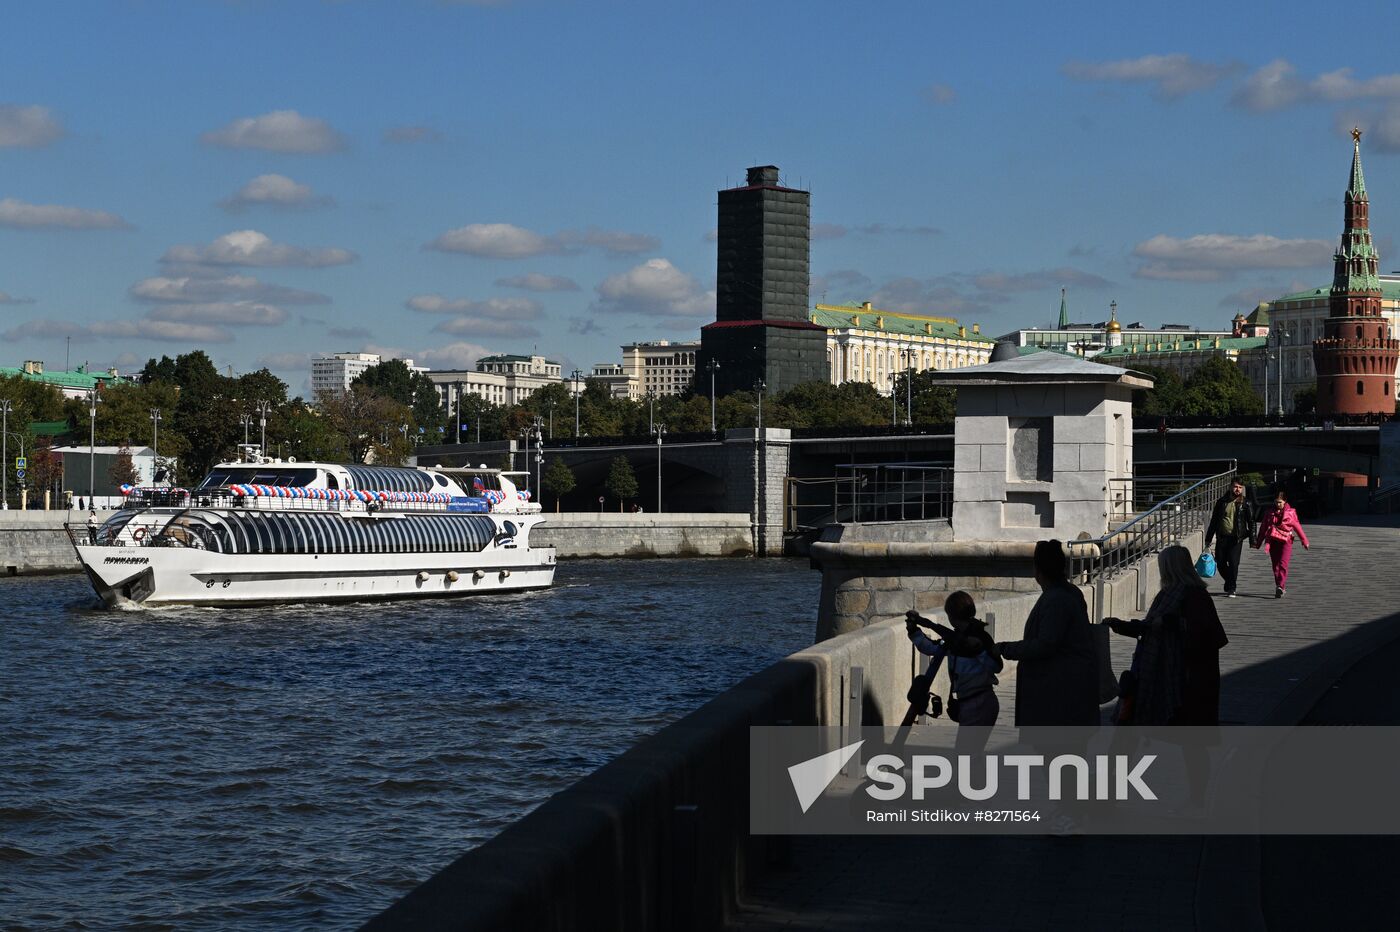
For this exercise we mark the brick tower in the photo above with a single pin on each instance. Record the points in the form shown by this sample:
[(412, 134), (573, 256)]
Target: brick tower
[(1356, 355), (762, 331)]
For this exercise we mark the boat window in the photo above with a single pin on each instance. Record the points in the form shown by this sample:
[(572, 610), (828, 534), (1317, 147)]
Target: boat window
[(113, 526), (274, 474), (331, 481)]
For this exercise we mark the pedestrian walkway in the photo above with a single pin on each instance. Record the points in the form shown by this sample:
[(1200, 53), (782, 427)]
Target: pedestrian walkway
[(1343, 603)]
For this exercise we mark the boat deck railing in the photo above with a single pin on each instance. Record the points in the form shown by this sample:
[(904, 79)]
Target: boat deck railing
[(224, 498)]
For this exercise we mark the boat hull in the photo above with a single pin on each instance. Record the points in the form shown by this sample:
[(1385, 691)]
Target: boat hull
[(128, 576)]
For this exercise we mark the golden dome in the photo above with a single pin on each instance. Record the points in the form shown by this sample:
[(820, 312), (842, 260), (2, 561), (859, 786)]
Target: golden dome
[(1113, 326)]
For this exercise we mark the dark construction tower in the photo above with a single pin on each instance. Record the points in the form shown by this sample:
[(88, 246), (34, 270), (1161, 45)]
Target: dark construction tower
[(761, 329), (1356, 356)]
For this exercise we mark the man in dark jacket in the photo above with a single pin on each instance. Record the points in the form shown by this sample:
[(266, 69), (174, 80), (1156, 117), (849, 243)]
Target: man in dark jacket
[(1057, 680), (1231, 524)]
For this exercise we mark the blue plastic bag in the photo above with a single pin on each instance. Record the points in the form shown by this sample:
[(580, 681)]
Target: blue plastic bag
[(1205, 566)]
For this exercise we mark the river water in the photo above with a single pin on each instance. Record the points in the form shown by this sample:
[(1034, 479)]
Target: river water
[(301, 767)]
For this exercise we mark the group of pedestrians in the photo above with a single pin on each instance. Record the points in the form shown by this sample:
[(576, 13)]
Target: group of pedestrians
[(1233, 524), (1174, 677)]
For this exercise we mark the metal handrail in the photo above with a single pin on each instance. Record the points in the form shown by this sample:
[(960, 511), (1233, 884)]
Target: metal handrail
[(870, 492), (1168, 522)]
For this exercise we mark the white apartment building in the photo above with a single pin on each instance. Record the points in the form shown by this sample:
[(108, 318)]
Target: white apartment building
[(500, 380), (866, 344), (620, 383), (660, 368), (332, 375)]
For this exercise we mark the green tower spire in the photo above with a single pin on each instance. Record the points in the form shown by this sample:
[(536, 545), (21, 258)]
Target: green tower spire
[(1355, 265), (1356, 190), (1064, 311)]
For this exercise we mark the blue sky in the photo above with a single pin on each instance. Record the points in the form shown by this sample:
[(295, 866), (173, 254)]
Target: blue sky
[(267, 181)]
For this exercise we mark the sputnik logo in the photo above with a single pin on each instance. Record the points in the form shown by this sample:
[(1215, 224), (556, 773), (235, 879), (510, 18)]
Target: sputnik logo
[(811, 777)]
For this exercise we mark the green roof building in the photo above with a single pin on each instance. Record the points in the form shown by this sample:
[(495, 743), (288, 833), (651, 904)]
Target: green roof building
[(867, 344)]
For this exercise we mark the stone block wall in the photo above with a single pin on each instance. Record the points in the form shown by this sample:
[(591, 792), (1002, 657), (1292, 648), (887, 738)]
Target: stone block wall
[(1032, 462), (668, 534), (35, 541), (756, 482)]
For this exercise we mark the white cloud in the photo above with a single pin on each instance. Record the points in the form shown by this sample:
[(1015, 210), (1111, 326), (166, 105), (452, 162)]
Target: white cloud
[(17, 215), (508, 241), (613, 242), (44, 329), (251, 248), (495, 241), (459, 355), (231, 313), (285, 361), (164, 330), (1171, 76), (823, 231), (1216, 256), (534, 281), (141, 329), (198, 289), (274, 191), (1277, 85), (7, 298), (278, 131), (485, 327), (412, 134), (497, 308), (27, 127), (655, 288), (1382, 126), (940, 94)]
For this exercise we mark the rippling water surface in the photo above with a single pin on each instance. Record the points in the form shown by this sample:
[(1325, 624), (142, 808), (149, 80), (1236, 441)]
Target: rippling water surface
[(302, 766)]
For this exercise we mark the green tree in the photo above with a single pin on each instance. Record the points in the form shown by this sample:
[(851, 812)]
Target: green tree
[(622, 481), (366, 420), (123, 470), (392, 379), (1305, 400), (559, 480), (1166, 397), (1220, 389)]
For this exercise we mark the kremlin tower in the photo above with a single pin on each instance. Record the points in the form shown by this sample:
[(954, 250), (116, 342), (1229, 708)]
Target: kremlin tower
[(1356, 356)]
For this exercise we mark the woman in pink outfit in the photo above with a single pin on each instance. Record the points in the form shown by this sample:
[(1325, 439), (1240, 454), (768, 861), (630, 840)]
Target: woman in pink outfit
[(1276, 529)]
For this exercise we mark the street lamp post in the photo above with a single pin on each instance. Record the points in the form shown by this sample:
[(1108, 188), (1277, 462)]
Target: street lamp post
[(909, 386), (759, 386), (459, 412), (1282, 335), (155, 443), (5, 408), (262, 423), (92, 440), (247, 421), (712, 365), (539, 454), (659, 430), (651, 413), (894, 399), (575, 374), (551, 418)]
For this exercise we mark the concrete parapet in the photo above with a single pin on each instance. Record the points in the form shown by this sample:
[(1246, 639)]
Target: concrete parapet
[(35, 542), (667, 534)]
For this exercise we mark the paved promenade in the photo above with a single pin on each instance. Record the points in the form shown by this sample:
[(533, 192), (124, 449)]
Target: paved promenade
[(1284, 656)]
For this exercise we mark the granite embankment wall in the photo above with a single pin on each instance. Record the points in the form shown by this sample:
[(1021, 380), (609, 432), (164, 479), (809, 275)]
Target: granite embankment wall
[(664, 534), (658, 838), (35, 542)]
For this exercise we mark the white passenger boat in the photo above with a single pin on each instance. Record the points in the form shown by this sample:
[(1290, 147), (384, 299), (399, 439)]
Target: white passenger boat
[(262, 530)]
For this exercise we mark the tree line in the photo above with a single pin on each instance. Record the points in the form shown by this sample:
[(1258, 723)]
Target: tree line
[(390, 409)]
